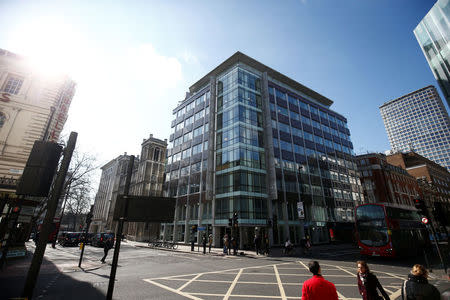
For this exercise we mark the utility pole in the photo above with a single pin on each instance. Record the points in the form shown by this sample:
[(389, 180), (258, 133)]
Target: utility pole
[(112, 276), (52, 204), (88, 223)]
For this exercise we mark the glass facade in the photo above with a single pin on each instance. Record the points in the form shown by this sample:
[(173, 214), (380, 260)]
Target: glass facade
[(433, 35), (275, 150), (419, 121)]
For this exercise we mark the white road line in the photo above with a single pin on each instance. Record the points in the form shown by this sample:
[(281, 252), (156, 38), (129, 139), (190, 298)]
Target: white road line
[(235, 296), (390, 274), (215, 272), (300, 262), (187, 283), (354, 275), (280, 284), (227, 295), (341, 296), (173, 290)]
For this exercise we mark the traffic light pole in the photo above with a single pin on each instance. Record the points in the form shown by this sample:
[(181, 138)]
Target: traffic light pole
[(88, 223), (112, 276), (52, 204)]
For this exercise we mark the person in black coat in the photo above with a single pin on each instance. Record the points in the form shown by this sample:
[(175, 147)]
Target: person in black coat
[(417, 286), (108, 245), (368, 283)]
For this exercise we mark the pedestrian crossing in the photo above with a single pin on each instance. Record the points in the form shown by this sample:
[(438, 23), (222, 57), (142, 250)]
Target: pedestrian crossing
[(271, 281)]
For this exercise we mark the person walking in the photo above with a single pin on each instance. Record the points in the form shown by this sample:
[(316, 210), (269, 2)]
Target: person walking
[(368, 283), (257, 242), (108, 245), (210, 241), (317, 288), (267, 244), (204, 243), (225, 244), (234, 245), (417, 286)]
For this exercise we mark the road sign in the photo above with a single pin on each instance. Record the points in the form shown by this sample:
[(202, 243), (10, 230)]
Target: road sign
[(425, 220), (201, 228)]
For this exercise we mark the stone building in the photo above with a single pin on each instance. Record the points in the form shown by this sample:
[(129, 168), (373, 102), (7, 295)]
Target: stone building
[(146, 180), (33, 107)]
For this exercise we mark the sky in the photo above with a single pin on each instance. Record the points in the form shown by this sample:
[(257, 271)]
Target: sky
[(133, 61)]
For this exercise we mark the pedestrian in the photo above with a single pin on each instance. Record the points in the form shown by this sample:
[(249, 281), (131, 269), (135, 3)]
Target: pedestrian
[(107, 245), (267, 244), (417, 286), (204, 243), (288, 247), (210, 241), (225, 244), (368, 283), (257, 242), (317, 288)]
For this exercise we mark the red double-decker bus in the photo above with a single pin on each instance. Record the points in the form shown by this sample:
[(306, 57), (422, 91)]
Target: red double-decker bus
[(390, 230)]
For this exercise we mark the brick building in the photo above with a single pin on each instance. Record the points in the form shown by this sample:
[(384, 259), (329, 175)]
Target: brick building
[(384, 182), (433, 179)]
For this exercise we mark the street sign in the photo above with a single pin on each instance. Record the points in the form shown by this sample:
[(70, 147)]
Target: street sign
[(424, 220), (145, 209), (201, 228), (300, 210)]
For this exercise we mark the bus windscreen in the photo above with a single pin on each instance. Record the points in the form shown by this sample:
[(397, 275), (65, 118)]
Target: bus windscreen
[(372, 227)]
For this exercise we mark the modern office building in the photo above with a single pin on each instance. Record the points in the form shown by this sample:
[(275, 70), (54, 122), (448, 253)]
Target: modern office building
[(252, 141), (419, 121), (33, 107), (433, 35)]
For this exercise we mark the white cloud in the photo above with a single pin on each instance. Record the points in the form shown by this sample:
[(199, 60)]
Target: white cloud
[(189, 57)]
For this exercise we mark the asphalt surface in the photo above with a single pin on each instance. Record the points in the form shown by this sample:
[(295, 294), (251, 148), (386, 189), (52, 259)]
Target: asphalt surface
[(146, 273)]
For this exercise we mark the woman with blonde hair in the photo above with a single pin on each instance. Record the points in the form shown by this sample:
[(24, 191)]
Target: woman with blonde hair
[(417, 286)]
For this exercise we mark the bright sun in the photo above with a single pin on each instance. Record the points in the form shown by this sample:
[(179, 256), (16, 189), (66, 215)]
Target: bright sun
[(52, 45)]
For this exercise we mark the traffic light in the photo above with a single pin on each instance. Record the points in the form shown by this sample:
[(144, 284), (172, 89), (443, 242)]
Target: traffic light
[(235, 219), (421, 207), (230, 222)]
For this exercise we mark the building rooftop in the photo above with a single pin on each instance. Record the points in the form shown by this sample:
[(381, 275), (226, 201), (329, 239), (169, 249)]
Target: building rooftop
[(247, 60), (407, 95)]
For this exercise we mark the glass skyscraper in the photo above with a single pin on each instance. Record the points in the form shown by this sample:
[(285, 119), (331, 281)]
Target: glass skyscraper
[(249, 140), (433, 35), (419, 121)]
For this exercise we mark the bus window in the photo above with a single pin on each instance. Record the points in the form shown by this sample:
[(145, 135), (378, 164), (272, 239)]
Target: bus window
[(371, 225)]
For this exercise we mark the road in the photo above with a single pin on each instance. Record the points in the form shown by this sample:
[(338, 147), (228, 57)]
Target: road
[(145, 273)]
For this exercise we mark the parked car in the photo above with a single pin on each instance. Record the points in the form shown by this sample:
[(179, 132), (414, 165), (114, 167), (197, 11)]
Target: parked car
[(70, 239), (99, 239), (88, 238)]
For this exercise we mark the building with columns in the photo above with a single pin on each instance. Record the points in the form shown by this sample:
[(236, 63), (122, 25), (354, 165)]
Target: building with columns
[(252, 141), (33, 107)]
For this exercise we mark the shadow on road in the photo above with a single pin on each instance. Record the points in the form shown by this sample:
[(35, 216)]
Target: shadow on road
[(51, 282)]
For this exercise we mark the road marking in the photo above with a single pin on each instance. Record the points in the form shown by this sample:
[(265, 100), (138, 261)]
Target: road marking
[(173, 290), (187, 283), (227, 295), (341, 296), (353, 275), (236, 295), (390, 274), (280, 285), (300, 262)]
